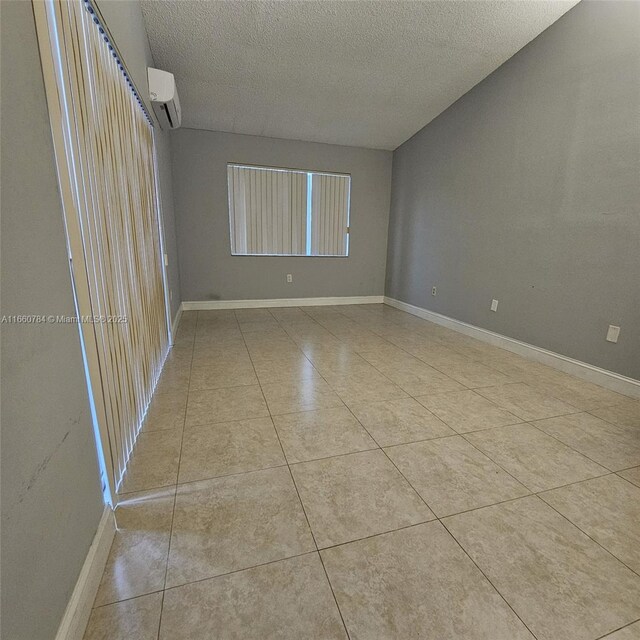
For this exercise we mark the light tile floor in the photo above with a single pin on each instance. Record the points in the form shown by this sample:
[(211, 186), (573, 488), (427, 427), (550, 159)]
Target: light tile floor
[(357, 472)]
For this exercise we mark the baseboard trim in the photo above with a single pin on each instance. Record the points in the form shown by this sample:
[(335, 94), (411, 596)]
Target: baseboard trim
[(76, 616), (206, 305), (588, 372)]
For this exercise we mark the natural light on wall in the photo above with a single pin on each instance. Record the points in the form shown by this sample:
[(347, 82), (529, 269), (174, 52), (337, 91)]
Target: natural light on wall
[(288, 212)]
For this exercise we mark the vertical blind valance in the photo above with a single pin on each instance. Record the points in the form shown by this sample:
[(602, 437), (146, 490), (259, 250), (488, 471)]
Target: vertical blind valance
[(276, 211)]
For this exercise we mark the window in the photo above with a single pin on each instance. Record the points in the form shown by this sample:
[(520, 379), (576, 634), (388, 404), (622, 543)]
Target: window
[(288, 212)]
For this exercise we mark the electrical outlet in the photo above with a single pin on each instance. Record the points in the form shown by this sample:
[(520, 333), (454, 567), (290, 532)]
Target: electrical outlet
[(613, 333), (494, 305), (434, 290), (289, 277), (166, 260)]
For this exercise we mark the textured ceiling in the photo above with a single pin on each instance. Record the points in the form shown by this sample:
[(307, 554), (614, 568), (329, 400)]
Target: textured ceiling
[(366, 73)]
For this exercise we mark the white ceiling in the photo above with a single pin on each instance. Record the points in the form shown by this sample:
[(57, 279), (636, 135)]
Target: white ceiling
[(367, 73)]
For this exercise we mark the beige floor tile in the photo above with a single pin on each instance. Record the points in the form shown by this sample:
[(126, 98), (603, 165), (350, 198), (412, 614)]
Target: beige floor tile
[(473, 374), (214, 339), (536, 459), (237, 505), (264, 326), (631, 632), (225, 405), (272, 348), (355, 496), (525, 402), (632, 475), (608, 510), (301, 395), (399, 421), (252, 315), (289, 314), (138, 618), (184, 337), (224, 448), (365, 388), (216, 315), (626, 414), (613, 446), (414, 386), (453, 476), (579, 393), (174, 379), (288, 371), (178, 357), (338, 362), (154, 462), (222, 375), (286, 600), (235, 522), (166, 411), (412, 375), (138, 558), (392, 357), (561, 583), (417, 584), (466, 411), (219, 350), (319, 434)]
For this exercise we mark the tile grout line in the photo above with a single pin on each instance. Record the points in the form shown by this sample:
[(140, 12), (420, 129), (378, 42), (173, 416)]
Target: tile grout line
[(610, 633), (175, 489)]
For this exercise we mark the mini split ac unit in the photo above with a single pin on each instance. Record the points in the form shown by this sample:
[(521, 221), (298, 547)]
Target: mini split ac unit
[(164, 98)]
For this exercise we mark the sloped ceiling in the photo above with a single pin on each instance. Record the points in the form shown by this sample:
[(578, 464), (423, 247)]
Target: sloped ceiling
[(367, 73)]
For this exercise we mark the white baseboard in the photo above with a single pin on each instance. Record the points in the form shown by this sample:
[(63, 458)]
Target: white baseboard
[(202, 305), (76, 616), (588, 372)]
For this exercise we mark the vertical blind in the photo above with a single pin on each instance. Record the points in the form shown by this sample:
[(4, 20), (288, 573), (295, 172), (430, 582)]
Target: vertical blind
[(104, 146), (268, 210), (330, 211), (276, 211)]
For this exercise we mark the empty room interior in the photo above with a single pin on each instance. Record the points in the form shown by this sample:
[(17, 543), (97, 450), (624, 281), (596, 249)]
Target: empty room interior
[(320, 319)]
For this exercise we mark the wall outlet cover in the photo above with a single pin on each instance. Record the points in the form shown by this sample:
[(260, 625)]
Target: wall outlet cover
[(613, 333), (289, 277), (494, 305), (434, 290)]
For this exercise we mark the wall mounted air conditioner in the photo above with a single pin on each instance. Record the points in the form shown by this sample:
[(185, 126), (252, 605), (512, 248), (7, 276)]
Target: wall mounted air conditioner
[(164, 98)]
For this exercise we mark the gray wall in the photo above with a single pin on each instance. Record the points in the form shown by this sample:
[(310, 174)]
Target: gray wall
[(207, 268), (51, 497), (527, 190), (125, 22)]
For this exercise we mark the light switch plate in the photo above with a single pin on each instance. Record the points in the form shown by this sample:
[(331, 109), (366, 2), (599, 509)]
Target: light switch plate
[(494, 305)]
